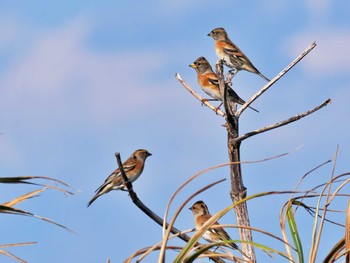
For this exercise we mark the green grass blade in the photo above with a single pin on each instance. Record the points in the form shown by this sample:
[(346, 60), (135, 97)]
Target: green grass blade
[(295, 234)]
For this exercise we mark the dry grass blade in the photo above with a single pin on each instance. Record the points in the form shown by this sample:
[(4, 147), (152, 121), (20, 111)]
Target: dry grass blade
[(15, 211), (316, 237), (347, 233), (167, 233), (283, 211), (258, 230), (183, 185), (17, 244), (10, 255), (143, 250), (24, 197), (184, 253), (335, 252), (335, 193), (23, 180), (146, 251), (207, 170)]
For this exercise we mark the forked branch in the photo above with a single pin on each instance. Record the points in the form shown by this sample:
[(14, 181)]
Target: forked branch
[(274, 80), (141, 205), (200, 98), (148, 211), (282, 123)]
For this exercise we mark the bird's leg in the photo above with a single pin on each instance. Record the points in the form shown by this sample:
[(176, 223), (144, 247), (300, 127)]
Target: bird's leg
[(233, 73), (228, 78), (204, 100), (218, 108)]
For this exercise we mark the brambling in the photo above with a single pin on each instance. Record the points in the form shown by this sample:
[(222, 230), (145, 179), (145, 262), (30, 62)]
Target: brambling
[(233, 57), (133, 168), (202, 215), (209, 82)]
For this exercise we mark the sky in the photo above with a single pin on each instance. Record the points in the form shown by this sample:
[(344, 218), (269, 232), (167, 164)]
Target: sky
[(82, 80)]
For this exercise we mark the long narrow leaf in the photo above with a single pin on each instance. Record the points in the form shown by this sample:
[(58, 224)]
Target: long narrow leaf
[(334, 251), (24, 197), (23, 180), (10, 255), (295, 234), (15, 211)]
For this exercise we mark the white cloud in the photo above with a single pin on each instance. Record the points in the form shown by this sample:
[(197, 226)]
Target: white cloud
[(59, 75), (331, 56)]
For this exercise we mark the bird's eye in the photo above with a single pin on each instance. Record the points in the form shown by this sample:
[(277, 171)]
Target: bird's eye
[(214, 32)]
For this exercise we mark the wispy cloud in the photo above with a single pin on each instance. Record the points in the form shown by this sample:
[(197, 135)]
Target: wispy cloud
[(331, 55), (60, 76)]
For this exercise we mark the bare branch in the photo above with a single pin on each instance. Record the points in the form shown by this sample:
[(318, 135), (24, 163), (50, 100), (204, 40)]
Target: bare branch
[(224, 93), (141, 205), (201, 99), (148, 211), (268, 85), (282, 123)]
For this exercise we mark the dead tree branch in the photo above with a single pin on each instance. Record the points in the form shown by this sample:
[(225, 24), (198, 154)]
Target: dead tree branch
[(148, 211), (141, 205), (197, 96), (275, 79), (282, 123)]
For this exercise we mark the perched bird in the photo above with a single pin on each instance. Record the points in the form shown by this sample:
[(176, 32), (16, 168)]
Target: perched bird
[(209, 82), (133, 168), (233, 57), (202, 215)]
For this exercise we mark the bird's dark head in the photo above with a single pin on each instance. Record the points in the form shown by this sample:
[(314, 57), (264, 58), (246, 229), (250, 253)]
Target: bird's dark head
[(218, 33), (201, 65)]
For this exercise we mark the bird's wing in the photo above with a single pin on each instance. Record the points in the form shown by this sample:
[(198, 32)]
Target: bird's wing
[(222, 235), (234, 95), (214, 81), (231, 49), (128, 165)]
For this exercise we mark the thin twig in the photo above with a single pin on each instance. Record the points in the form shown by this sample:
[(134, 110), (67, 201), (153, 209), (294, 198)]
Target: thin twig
[(141, 205), (201, 99), (166, 236), (275, 79), (224, 93), (148, 211), (282, 123)]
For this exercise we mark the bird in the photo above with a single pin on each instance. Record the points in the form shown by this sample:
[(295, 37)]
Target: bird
[(209, 82), (233, 57), (201, 215), (133, 168)]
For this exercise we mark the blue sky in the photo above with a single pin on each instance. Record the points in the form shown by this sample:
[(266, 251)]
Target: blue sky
[(80, 81)]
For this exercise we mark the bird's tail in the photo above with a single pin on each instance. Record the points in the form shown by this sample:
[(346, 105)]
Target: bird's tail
[(236, 99), (261, 75), (253, 109), (234, 246), (93, 199)]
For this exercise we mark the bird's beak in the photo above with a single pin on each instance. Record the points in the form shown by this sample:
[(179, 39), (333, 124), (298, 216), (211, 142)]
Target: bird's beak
[(149, 154), (190, 208), (192, 66), (209, 35)]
